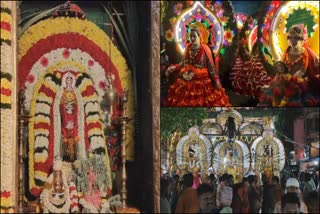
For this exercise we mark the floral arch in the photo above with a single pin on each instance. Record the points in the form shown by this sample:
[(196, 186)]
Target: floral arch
[(47, 51)]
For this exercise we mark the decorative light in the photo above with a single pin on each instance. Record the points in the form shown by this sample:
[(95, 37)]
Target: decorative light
[(185, 15), (277, 34)]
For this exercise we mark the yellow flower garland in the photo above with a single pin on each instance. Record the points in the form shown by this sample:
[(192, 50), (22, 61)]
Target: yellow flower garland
[(90, 30)]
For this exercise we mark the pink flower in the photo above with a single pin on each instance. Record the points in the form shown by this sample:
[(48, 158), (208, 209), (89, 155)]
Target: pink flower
[(30, 78), (90, 63), (44, 61), (66, 53)]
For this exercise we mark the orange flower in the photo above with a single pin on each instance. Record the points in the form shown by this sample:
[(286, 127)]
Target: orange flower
[(169, 35)]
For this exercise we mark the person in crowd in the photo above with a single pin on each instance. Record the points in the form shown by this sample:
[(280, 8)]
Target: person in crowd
[(226, 196), (188, 201), (268, 195), (309, 185), (164, 202), (206, 201), (196, 180), (175, 191), (312, 202), (213, 184), (290, 203), (292, 186), (254, 194), (221, 185), (277, 189)]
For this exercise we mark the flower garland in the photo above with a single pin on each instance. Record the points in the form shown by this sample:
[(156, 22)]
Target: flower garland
[(7, 162), (51, 34), (45, 93)]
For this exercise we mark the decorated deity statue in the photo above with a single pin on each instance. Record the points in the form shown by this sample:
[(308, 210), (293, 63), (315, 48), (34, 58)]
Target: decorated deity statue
[(69, 116), (231, 165), (297, 80), (267, 164), (299, 58), (198, 83), (59, 194)]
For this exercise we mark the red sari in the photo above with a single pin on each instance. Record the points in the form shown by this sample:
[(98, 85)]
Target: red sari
[(199, 90)]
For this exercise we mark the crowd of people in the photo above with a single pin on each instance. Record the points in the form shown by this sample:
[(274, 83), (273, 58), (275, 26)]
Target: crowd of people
[(295, 194)]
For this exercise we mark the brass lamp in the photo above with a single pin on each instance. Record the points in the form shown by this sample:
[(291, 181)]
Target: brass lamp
[(110, 98)]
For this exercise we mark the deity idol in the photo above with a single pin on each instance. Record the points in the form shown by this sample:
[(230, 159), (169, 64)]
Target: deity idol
[(69, 116), (199, 83), (60, 194), (297, 81), (231, 166)]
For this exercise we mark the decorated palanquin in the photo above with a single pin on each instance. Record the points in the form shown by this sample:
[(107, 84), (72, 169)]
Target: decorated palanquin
[(66, 63), (193, 152), (267, 155), (232, 159), (254, 149)]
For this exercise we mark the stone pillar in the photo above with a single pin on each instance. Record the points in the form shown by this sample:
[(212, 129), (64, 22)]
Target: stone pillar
[(155, 90), (8, 107)]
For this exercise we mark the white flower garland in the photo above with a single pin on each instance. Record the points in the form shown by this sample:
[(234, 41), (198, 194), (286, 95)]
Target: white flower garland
[(95, 71)]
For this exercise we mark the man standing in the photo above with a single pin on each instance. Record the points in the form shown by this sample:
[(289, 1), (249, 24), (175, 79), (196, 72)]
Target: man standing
[(188, 201)]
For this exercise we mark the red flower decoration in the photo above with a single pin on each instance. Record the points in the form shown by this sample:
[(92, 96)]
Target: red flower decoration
[(102, 84), (66, 53), (30, 78), (189, 3), (90, 63), (5, 194), (44, 61)]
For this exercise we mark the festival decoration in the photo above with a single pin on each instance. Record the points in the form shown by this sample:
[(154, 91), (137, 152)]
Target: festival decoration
[(217, 23), (200, 16), (267, 153), (7, 111), (238, 155), (193, 152), (280, 15), (290, 14), (48, 51)]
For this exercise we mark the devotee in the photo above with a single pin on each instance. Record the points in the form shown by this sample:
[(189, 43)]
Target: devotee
[(277, 188), (226, 197), (221, 185), (206, 201), (188, 201), (312, 202), (254, 194), (309, 185), (240, 201), (164, 203), (268, 198), (199, 83), (290, 203), (175, 191), (292, 186)]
